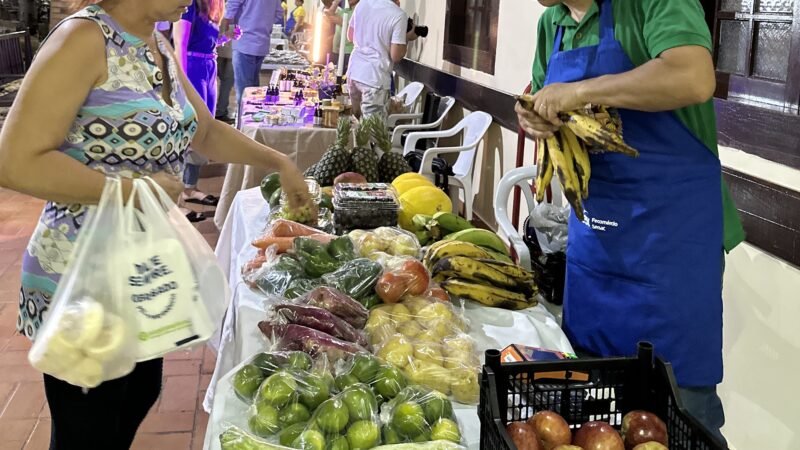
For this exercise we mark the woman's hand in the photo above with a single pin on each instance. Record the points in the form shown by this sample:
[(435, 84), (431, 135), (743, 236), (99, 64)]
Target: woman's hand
[(533, 124), (294, 185), (170, 183)]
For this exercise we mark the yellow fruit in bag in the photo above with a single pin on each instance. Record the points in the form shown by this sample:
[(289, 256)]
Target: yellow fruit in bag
[(397, 351), (434, 313), (109, 341), (415, 304), (409, 329), (81, 322), (430, 353), (427, 200), (464, 386), (404, 185), (87, 372), (400, 313)]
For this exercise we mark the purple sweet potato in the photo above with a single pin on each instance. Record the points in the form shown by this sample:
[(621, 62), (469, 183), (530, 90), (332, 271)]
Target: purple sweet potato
[(339, 304), (320, 319), (292, 337)]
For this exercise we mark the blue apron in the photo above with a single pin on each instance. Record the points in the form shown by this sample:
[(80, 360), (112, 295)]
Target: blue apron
[(645, 264), (290, 22)]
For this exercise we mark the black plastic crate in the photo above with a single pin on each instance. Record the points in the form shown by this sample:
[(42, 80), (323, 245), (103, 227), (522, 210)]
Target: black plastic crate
[(583, 390)]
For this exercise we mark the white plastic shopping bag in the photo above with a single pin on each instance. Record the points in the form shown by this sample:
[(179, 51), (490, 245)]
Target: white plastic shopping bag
[(89, 336), (177, 289)]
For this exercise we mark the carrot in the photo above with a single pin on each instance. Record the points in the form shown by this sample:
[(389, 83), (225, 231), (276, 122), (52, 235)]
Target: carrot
[(322, 237), (287, 228), (283, 244)]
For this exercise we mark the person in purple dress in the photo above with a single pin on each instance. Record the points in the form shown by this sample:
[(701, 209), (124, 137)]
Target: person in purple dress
[(196, 36)]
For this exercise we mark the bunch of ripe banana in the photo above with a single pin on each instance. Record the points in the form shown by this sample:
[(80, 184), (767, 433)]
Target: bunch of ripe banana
[(468, 271), (591, 130)]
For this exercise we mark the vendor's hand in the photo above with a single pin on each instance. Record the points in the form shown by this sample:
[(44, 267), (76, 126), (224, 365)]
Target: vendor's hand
[(533, 124), (557, 98), (294, 185), (170, 183)]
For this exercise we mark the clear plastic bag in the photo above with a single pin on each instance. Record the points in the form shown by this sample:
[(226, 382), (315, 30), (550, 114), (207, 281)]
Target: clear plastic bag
[(385, 240), (89, 336), (317, 318), (550, 223), (418, 414), (402, 277), (357, 279), (294, 337), (295, 403), (178, 289), (426, 339), (337, 303)]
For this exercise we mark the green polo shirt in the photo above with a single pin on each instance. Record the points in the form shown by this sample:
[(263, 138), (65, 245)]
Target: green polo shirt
[(645, 28), (337, 38)]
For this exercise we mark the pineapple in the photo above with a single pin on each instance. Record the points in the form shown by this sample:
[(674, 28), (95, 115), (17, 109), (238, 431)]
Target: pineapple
[(391, 164), (365, 160), (311, 172), (336, 160)]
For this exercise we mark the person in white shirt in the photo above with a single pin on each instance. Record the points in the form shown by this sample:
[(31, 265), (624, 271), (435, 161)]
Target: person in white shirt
[(379, 32)]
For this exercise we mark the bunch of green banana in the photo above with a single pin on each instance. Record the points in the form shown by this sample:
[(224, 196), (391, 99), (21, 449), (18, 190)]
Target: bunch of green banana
[(439, 225)]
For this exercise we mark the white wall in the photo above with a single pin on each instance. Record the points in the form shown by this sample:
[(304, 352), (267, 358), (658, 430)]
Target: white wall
[(762, 299)]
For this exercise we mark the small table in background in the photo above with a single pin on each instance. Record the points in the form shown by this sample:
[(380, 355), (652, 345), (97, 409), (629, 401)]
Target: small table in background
[(304, 144)]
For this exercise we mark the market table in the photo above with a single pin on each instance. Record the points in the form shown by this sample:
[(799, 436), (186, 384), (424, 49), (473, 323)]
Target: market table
[(303, 144), (240, 337)]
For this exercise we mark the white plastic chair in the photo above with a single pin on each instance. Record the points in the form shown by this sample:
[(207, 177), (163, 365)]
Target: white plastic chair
[(411, 93), (445, 106), (521, 177), (473, 128)]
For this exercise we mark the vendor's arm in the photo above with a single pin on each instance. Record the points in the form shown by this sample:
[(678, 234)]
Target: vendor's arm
[(679, 72), (218, 141), (63, 73), (279, 13), (677, 78)]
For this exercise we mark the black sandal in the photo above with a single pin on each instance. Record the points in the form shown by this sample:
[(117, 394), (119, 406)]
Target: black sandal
[(194, 216), (208, 200)]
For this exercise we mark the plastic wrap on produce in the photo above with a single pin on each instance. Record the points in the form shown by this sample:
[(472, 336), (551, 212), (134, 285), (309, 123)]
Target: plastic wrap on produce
[(426, 338), (289, 400), (318, 318), (357, 279), (402, 277), (293, 337), (338, 303), (387, 240)]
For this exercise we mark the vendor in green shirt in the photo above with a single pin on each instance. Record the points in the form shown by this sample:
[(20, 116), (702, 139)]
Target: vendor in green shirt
[(646, 262), (335, 15)]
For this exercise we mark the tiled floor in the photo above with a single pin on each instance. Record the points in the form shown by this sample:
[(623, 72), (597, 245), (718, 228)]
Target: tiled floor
[(176, 422)]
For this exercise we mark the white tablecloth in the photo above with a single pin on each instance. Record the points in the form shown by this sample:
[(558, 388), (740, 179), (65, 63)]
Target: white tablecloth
[(240, 337)]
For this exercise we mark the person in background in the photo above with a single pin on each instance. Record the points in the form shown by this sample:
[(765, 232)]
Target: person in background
[(379, 33), (225, 81), (628, 278), (296, 21), (105, 114), (285, 8), (195, 36), (255, 18), (335, 15)]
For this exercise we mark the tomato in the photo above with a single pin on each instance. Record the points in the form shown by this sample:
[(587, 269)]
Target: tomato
[(418, 277), (438, 293), (391, 287)]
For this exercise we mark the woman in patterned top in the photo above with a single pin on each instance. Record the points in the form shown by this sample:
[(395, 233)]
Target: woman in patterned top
[(105, 96)]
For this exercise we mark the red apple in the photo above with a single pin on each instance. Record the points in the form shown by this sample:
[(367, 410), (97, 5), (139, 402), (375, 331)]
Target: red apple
[(651, 446), (598, 436), (639, 427), (523, 436), (551, 428)]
